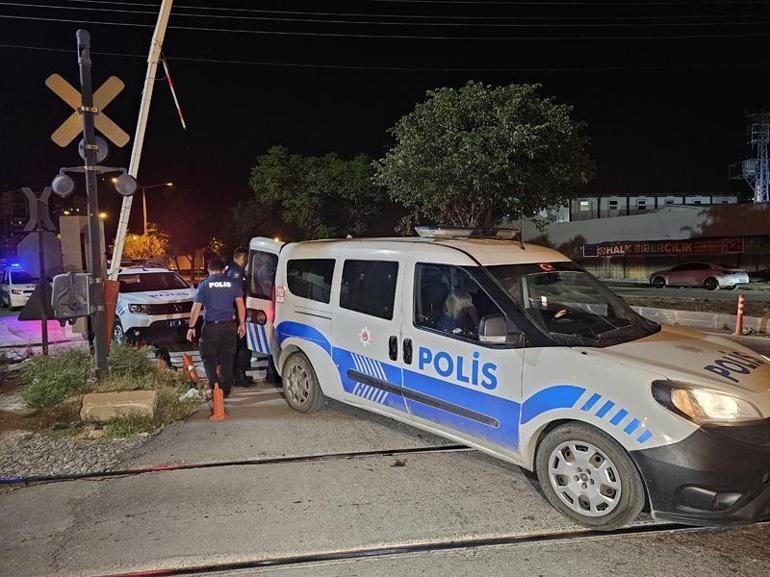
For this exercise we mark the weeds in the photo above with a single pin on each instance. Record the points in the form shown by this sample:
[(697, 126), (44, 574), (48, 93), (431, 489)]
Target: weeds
[(128, 426), (50, 379), (129, 361)]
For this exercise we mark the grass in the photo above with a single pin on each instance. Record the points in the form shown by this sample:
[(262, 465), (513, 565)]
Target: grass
[(51, 382), (51, 379)]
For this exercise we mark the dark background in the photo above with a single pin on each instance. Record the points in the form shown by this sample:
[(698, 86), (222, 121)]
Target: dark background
[(665, 114)]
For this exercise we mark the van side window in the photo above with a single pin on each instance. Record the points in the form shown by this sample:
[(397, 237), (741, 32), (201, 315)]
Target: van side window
[(369, 287), (261, 268), (448, 300), (311, 278)]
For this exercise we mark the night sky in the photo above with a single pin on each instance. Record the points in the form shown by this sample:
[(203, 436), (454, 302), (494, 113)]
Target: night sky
[(665, 114)]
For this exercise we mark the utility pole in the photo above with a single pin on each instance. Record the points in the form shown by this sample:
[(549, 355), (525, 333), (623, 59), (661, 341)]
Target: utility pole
[(87, 110), (43, 284), (153, 58)]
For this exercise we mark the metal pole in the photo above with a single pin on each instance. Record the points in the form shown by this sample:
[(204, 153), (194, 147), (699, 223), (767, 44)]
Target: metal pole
[(144, 110), (144, 208), (92, 192), (43, 281)]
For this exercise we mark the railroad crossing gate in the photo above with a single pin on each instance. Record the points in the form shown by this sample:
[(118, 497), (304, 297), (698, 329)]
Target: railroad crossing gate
[(72, 127)]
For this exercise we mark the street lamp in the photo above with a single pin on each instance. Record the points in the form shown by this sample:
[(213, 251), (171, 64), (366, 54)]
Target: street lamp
[(144, 190), (102, 216)]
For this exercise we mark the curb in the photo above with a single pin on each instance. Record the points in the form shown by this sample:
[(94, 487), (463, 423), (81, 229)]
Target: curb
[(702, 320)]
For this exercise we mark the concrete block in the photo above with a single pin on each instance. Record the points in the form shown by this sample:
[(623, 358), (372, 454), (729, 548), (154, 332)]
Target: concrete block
[(105, 407)]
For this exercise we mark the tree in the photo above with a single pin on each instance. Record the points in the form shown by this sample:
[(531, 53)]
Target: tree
[(323, 196), (481, 155), (152, 244), (248, 218)]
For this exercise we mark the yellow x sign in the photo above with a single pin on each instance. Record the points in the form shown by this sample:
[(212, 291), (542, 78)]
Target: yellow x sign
[(71, 127)]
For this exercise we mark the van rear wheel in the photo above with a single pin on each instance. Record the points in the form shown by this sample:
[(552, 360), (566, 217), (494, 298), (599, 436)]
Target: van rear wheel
[(589, 477), (300, 384)]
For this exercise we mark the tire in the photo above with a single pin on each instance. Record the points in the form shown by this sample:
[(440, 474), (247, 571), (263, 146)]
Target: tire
[(300, 384), (659, 282), (118, 334), (577, 449), (711, 284), (732, 287)]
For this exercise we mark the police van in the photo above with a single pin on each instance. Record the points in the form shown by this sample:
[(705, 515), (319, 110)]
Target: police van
[(515, 350), (153, 306), (16, 286)]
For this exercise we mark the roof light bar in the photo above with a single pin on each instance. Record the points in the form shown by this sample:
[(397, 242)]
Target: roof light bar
[(441, 232)]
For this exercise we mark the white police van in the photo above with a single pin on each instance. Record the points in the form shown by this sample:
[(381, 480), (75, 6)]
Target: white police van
[(517, 351), (153, 306), (16, 286)]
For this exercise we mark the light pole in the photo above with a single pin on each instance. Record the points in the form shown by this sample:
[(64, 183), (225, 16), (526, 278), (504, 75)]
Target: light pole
[(144, 190)]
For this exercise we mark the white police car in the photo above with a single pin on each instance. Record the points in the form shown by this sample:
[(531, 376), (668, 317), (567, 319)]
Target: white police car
[(153, 306), (16, 286), (517, 351)]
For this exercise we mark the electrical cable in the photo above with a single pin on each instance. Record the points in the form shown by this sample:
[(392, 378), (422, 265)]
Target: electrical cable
[(721, 23), (398, 36), (370, 67)]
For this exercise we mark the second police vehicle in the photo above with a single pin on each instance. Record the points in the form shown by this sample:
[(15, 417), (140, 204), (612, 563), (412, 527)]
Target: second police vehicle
[(153, 306), (517, 351)]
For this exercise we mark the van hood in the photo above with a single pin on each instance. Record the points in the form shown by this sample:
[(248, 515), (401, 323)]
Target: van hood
[(695, 358), (150, 297)]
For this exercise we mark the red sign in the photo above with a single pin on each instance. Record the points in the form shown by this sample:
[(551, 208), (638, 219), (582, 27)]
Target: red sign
[(664, 247)]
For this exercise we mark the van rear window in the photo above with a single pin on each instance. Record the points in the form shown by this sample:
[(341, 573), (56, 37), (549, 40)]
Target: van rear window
[(310, 278), (369, 287), (262, 267)]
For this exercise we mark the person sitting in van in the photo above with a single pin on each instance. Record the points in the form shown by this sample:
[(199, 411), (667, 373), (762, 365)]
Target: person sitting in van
[(460, 316)]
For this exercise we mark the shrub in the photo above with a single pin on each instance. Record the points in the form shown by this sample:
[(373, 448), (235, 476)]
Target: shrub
[(48, 380), (129, 361)]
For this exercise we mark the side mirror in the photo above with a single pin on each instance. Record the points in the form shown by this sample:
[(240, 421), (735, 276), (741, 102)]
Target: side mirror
[(492, 329)]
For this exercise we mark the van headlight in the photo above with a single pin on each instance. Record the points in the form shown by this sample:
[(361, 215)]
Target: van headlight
[(139, 309), (703, 405)]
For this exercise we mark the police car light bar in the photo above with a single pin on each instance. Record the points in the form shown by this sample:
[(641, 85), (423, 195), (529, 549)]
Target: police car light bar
[(440, 232)]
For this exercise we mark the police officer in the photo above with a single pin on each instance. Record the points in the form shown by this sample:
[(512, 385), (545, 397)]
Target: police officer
[(236, 271), (220, 332)]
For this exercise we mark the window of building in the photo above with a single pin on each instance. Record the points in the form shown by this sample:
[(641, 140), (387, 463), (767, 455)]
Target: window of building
[(669, 201), (310, 278), (448, 300), (585, 205), (697, 202), (613, 204), (369, 287), (641, 204)]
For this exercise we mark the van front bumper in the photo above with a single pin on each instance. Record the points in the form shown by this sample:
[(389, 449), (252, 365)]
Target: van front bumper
[(716, 476)]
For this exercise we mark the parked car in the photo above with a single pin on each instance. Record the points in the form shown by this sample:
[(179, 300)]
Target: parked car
[(153, 306), (16, 286), (700, 274)]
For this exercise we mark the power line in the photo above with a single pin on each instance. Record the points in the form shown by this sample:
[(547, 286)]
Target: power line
[(609, 3), (303, 20), (399, 36), (373, 67)]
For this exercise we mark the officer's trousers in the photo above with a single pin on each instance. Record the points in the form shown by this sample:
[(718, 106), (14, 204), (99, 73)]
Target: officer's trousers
[(217, 347)]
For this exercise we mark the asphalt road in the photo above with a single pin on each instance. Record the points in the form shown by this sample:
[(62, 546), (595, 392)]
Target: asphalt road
[(641, 290)]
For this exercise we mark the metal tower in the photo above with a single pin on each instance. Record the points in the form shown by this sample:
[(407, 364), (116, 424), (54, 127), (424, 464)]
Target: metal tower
[(756, 171)]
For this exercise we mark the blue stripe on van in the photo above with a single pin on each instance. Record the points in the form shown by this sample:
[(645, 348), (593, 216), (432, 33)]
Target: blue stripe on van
[(556, 397)]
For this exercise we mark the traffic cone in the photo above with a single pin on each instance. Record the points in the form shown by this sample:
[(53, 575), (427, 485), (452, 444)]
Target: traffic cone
[(189, 367), (218, 414)]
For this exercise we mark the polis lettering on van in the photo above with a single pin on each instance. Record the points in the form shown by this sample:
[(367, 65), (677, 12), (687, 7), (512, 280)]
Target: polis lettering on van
[(734, 363), (445, 365)]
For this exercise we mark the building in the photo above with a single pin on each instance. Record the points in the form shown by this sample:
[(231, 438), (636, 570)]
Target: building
[(607, 206), (635, 244), (14, 215)]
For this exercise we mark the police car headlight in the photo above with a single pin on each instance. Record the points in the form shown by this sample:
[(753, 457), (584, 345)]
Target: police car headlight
[(139, 309), (704, 405)]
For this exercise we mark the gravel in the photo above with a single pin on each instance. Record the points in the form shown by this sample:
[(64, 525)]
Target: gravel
[(24, 454)]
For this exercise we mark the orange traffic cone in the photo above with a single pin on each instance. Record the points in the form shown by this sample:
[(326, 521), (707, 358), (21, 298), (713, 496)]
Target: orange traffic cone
[(189, 367), (218, 413)]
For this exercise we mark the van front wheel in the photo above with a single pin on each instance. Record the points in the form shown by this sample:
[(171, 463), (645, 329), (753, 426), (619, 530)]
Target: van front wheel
[(589, 477), (300, 384)]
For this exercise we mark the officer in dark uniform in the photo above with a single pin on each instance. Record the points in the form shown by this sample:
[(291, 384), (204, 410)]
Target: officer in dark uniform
[(236, 271), (220, 332)]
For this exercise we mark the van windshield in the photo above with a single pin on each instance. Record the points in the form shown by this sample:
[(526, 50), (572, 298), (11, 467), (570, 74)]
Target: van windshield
[(22, 277), (570, 305)]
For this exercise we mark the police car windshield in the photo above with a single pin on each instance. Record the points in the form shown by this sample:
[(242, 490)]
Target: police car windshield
[(571, 305), (22, 277), (151, 281)]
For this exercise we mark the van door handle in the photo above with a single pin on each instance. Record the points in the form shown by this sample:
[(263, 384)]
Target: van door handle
[(393, 347), (408, 351)]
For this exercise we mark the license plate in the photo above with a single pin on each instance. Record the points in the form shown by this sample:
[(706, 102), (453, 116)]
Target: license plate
[(177, 323)]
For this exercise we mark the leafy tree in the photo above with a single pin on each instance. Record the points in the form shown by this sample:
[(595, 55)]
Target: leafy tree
[(481, 155), (323, 196), (246, 219), (152, 244)]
